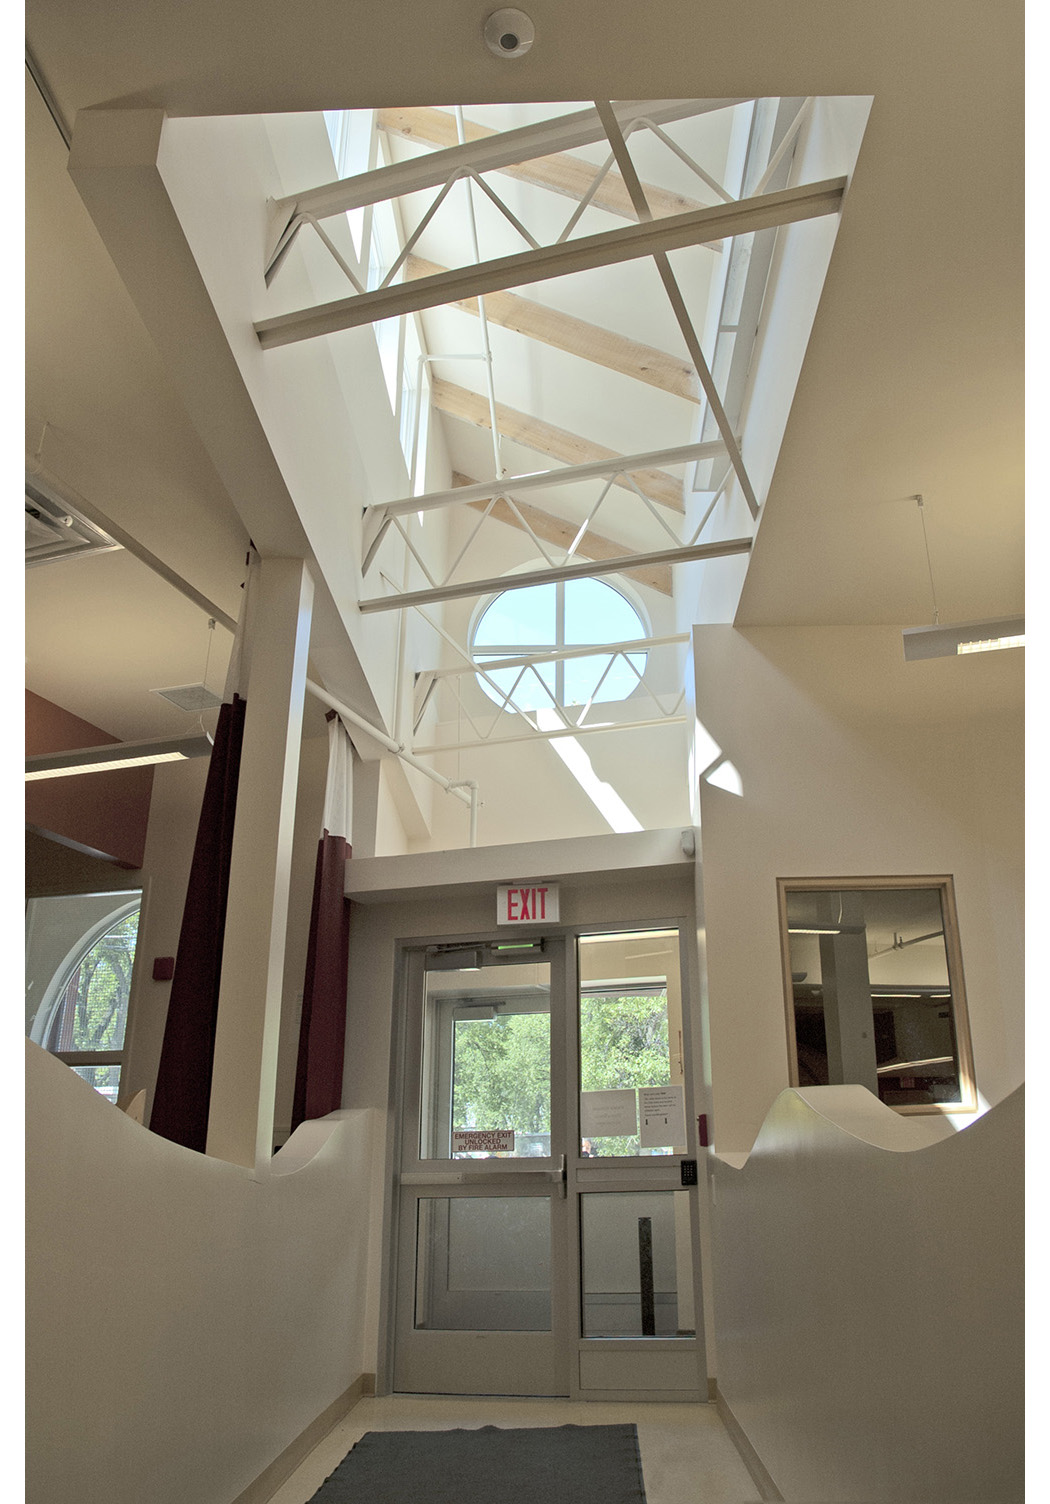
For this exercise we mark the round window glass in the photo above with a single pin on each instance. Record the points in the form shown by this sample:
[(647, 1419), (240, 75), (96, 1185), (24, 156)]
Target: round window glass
[(540, 619)]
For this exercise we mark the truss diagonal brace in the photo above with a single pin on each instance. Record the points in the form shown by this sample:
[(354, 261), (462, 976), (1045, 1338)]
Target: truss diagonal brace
[(507, 148), (681, 313), (584, 571), (629, 243), (379, 517)]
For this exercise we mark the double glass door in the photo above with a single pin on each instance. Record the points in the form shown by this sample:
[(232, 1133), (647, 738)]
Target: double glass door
[(545, 1245)]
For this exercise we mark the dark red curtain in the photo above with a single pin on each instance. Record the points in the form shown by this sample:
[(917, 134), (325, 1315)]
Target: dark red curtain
[(322, 1030), (180, 1102)]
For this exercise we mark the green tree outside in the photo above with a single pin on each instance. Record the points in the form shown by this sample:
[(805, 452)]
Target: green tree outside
[(502, 1064), (94, 1010)]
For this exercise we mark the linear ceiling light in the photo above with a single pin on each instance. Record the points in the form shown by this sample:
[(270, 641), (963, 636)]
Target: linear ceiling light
[(116, 755), (967, 637)]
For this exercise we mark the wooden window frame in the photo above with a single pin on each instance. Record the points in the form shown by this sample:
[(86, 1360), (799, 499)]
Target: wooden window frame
[(945, 885)]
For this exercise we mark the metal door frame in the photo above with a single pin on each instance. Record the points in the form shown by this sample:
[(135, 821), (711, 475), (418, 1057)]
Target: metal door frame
[(581, 1176)]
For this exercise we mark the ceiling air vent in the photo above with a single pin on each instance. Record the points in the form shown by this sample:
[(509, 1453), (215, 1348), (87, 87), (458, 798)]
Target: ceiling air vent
[(195, 697), (55, 530)]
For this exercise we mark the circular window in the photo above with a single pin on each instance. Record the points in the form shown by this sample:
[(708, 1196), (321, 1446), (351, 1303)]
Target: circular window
[(540, 619)]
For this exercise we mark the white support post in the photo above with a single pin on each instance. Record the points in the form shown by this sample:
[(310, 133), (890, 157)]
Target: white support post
[(244, 1074)]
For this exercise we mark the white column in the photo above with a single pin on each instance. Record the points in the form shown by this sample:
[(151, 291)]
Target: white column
[(240, 1127), (849, 1024)]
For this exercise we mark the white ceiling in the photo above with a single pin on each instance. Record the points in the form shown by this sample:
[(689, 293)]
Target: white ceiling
[(913, 376)]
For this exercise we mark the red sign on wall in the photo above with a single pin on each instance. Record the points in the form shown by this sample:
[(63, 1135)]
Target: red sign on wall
[(527, 904)]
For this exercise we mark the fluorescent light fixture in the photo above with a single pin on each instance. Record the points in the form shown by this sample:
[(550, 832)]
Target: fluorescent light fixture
[(115, 755), (966, 637), (904, 1067), (814, 929), (991, 644)]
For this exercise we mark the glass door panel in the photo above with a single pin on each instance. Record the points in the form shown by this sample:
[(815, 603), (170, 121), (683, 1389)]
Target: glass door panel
[(483, 1210), (632, 1079), (486, 1082), (636, 1258), (483, 1264)]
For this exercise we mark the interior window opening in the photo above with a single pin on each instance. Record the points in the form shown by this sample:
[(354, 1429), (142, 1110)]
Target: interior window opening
[(873, 978)]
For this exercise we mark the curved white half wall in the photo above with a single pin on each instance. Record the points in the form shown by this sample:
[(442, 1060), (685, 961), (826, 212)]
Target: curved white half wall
[(186, 1321), (868, 1301)]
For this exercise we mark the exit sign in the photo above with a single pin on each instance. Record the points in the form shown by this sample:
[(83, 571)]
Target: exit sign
[(525, 904)]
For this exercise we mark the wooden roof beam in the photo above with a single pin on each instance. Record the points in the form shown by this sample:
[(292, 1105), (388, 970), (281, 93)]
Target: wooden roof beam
[(545, 438), (562, 331), (561, 533)]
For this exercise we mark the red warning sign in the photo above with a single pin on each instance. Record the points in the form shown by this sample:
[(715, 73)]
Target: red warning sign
[(527, 904)]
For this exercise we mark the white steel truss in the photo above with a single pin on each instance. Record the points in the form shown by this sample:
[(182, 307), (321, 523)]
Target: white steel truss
[(561, 133), (379, 517), (440, 170), (587, 570), (766, 205), (528, 681), (609, 248)]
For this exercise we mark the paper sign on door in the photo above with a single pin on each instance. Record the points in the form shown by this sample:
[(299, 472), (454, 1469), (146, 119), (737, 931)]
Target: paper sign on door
[(662, 1113), (608, 1114)]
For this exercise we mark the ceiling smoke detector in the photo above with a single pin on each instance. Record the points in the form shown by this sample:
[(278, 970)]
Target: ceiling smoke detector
[(509, 33)]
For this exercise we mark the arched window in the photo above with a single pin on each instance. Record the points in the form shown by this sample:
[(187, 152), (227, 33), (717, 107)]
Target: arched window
[(539, 619), (83, 1017)]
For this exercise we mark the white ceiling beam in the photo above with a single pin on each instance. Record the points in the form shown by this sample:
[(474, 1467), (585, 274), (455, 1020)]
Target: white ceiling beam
[(562, 133), (377, 518), (570, 177), (561, 655), (587, 570), (556, 530), (681, 313), (629, 243), (548, 736)]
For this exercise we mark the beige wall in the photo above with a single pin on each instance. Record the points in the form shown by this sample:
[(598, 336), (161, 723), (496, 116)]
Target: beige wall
[(853, 765), (869, 1301), (209, 1316)]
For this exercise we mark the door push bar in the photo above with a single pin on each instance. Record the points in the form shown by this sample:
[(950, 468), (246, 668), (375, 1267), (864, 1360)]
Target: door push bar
[(483, 1177)]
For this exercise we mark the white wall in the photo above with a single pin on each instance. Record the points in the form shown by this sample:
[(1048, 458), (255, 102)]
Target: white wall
[(186, 1320), (869, 1301), (852, 765)]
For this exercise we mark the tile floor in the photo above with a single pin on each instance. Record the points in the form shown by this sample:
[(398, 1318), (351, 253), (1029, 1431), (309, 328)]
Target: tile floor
[(687, 1455)]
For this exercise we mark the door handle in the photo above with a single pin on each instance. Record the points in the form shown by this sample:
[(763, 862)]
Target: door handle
[(557, 1176), (432, 1177), (560, 1176)]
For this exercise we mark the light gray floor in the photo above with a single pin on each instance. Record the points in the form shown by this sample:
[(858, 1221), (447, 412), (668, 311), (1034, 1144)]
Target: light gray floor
[(687, 1456)]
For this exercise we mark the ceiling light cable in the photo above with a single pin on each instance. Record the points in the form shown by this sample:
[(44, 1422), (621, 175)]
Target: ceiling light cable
[(929, 565)]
